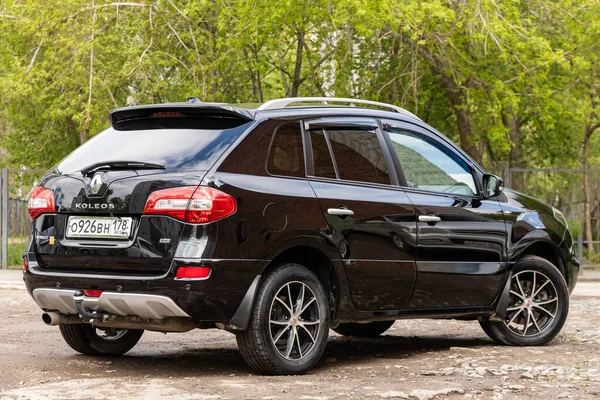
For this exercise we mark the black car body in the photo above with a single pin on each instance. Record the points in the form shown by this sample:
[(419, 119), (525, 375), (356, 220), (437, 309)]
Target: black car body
[(353, 194)]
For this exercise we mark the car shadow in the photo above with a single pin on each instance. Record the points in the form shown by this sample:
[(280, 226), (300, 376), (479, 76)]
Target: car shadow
[(192, 358), (353, 351)]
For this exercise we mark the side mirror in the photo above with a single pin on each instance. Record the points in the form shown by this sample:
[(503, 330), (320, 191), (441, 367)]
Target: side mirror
[(492, 185)]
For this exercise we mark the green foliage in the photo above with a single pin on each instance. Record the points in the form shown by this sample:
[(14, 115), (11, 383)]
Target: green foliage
[(515, 82), (15, 253)]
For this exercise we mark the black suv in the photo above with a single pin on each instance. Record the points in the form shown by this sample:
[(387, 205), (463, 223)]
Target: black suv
[(279, 223)]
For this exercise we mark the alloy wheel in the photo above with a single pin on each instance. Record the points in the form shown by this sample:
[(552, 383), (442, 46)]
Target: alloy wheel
[(110, 334), (294, 320), (533, 303)]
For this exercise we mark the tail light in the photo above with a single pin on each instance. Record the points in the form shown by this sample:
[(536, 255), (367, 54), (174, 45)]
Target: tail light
[(40, 202), (187, 272), (92, 293), (192, 204)]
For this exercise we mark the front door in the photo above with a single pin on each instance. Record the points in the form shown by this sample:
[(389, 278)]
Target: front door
[(369, 218), (461, 237)]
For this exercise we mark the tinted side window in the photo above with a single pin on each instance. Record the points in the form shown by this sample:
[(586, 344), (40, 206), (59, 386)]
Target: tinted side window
[(359, 156), (321, 156), (286, 156), (427, 165)]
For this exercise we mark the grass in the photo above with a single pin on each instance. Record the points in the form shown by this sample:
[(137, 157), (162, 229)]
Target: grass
[(575, 227), (589, 257), (15, 253)]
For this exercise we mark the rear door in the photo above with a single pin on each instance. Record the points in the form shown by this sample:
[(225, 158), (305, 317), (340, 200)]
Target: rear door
[(369, 218), (461, 237)]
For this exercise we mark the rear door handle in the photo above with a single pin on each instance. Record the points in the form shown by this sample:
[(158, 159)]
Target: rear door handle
[(340, 211), (429, 218)]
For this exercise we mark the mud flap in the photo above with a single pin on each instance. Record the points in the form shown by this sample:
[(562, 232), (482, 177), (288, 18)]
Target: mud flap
[(502, 306), (242, 315)]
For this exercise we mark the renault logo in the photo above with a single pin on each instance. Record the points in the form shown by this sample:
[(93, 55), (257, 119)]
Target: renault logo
[(96, 184)]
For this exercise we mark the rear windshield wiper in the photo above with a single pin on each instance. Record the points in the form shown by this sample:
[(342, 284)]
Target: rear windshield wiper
[(125, 165)]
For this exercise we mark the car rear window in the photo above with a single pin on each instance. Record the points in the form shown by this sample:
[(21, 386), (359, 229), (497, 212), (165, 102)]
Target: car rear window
[(176, 149)]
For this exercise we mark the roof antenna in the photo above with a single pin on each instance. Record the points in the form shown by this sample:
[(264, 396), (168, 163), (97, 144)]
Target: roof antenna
[(194, 100)]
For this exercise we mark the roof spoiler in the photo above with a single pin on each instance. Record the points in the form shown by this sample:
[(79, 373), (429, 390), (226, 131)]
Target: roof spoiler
[(176, 115)]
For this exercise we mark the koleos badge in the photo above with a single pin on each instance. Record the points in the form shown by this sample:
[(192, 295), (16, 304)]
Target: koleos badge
[(96, 184)]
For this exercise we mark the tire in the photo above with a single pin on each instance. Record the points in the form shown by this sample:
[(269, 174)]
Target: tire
[(264, 344), (541, 316), (85, 339), (371, 329)]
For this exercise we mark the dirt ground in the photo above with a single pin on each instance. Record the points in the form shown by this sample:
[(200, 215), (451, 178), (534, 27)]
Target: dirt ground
[(415, 359)]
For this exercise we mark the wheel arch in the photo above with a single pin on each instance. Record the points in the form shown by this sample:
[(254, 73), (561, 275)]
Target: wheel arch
[(545, 249), (318, 262), (308, 254)]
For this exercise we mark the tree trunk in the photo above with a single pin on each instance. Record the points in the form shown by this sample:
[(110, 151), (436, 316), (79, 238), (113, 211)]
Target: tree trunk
[(254, 74), (395, 56), (72, 129), (286, 86), (463, 117), (259, 86), (83, 133), (587, 138), (513, 124), (587, 205), (297, 81)]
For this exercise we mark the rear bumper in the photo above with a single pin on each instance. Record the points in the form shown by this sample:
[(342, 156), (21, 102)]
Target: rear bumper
[(215, 299), (142, 305)]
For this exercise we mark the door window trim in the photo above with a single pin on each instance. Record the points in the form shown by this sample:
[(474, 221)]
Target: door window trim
[(420, 132), (352, 123), (341, 123), (307, 147), (331, 153)]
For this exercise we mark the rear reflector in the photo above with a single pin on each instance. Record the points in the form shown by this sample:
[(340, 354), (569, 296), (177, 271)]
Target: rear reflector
[(92, 293), (41, 201), (197, 205), (192, 272), (24, 264)]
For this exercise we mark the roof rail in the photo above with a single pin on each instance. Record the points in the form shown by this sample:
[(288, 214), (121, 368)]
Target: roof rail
[(282, 103)]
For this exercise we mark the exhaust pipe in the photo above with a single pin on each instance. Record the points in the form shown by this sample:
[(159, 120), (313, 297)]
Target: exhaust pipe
[(54, 318), (49, 318), (173, 324)]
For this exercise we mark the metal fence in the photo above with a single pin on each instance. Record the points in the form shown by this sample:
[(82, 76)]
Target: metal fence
[(559, 187), (15, 186)]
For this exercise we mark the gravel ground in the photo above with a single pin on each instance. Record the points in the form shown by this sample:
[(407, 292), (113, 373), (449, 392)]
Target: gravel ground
[(415, 359)]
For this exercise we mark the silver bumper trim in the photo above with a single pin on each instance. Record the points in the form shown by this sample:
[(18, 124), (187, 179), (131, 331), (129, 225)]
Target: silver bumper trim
[(138, 304)]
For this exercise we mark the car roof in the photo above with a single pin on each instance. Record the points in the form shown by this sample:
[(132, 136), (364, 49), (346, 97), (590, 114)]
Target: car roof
[(134, 112), (329, 110), (278, 109)]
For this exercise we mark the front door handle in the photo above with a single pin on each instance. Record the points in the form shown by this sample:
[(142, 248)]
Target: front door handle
[(429, 218), (340, 211)]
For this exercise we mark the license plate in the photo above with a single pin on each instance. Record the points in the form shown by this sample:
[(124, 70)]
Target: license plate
[(99, 227)]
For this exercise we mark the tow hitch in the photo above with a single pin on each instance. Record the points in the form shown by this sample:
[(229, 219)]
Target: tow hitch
[(84, 313)]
